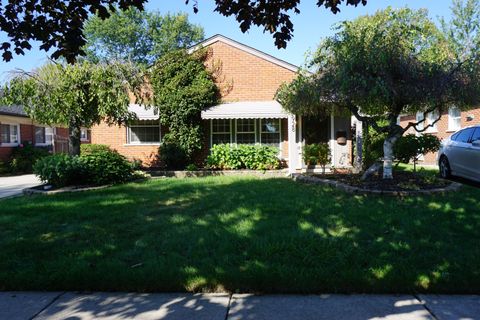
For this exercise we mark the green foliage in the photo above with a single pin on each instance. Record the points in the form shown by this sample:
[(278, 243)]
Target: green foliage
[(79, 95), (253, 157), (100, 166), (89, 148), (106, 167), (138, 36), (317, 153), (411, 147), (24, 157), (61, 170), (4, 168), (191, 167), (172, 156), (183, 87)]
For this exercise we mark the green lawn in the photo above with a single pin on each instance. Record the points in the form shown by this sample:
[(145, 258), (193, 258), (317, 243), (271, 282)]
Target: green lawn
[(240, 234)]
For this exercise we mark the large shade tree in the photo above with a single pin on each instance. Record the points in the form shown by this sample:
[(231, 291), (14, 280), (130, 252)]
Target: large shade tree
[(77, 96), (381, 66), (58, 24), (138, 36)]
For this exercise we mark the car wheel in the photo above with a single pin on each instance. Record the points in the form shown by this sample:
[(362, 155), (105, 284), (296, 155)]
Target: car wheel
[(444, 165)]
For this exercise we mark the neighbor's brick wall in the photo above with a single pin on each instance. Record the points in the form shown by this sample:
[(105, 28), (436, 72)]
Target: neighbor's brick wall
[(442, 128), (242, 76), (116, 138)]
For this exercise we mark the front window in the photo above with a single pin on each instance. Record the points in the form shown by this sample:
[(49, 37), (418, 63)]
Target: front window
[(270, 131), (246, 131), (9, 134), (221, 131), (454, 119), (144, 132), (43, 135)]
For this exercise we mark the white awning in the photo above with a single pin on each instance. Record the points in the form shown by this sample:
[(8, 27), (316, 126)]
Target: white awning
[(143, 113), (246, 110)]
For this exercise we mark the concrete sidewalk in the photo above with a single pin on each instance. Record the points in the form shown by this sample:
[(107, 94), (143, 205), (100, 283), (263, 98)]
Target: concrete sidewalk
[(14, 185), (79, 306)]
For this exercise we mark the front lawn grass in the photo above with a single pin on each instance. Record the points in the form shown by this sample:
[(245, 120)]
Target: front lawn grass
[(240, 234)]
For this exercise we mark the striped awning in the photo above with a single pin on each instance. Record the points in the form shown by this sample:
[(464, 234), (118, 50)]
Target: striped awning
[(246, 110), (142, 112)]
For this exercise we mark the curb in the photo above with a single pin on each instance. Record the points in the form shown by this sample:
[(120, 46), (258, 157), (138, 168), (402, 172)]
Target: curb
[(453, 186)]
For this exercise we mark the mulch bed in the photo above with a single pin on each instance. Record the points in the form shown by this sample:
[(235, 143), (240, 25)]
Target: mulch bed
[(403, 181)]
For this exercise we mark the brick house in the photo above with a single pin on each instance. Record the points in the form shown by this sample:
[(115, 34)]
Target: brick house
[(16, 128), (451, 121), (248, 113)]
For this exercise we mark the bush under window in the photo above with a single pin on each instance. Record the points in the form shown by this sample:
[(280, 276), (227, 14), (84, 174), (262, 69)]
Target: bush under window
[(254, 157), (24, 157)]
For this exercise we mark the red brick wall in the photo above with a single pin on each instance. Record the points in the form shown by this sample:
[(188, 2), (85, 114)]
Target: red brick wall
[(242, 76), (116, 138), (442, 128)]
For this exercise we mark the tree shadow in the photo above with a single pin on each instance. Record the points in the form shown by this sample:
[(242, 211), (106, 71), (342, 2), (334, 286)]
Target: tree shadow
[(242, 235)]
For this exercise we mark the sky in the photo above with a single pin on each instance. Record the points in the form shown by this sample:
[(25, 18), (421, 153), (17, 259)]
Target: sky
[(310, 26)]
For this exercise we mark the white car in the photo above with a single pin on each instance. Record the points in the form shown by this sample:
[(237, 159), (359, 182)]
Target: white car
[(459, 154)]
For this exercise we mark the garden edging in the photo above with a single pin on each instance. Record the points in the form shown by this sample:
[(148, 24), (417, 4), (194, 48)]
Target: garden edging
[(453, 186), (209, 173)]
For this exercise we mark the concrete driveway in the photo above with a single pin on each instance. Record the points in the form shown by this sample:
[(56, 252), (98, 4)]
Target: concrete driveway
[(12, 186)]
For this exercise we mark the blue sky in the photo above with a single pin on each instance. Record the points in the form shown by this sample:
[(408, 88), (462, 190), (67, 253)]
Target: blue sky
[(311, 25)]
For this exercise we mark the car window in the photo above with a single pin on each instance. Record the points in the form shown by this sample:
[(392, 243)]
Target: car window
[(454, 136), (476, 135), (464, 135)]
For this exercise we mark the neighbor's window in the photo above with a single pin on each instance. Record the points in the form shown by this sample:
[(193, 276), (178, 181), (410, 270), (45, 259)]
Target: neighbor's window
[(454, 119), (9, 133), (144, 132), (43, 135), (245, 131), (431, 118), (418, 118), (270, 131), (221, 131), (84, 134)]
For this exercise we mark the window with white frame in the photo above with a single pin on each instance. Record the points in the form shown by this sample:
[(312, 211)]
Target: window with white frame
[(144, 132), (221, 131), (419, 117), (43, 135), (454, 119), (84, 134), (431, 118), (9, 134), (246, 131), (270, 131)]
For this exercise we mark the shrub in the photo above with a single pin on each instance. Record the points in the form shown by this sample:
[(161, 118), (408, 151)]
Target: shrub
[(93, 148), (106, 167), (24, 157), (61, 170), (191, 167), (173, 156), (317, 153), (411, 147), (254, 157), (4, 168), (96, 168)]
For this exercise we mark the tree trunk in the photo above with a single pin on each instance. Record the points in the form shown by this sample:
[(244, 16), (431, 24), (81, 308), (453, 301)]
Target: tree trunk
[(74, 140), (388, 155)]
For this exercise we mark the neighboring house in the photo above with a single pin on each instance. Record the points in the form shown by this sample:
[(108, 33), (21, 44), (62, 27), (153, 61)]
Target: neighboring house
[(248, 113), (451, 121), (16, 128)]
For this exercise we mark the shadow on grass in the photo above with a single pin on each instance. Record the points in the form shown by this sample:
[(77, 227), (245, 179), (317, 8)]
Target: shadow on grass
[(241, 235)]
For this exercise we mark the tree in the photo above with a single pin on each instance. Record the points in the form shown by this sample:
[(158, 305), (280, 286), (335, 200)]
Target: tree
[(55, 24), (183, 87), (138, 36), (79, 95), (59, 24), (381, 66)]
